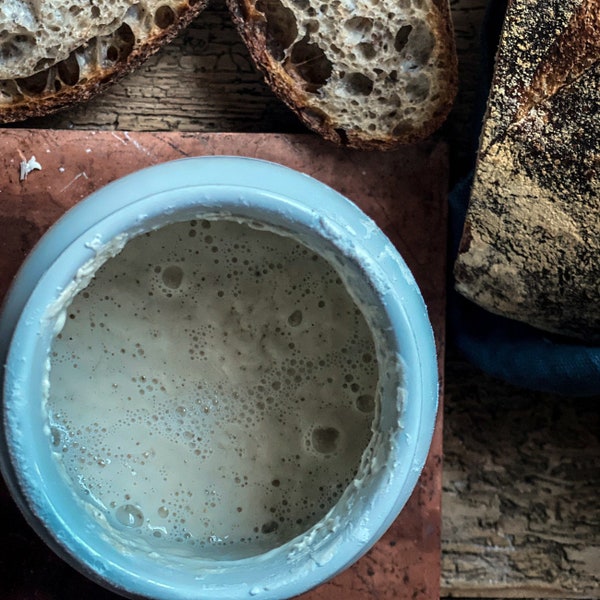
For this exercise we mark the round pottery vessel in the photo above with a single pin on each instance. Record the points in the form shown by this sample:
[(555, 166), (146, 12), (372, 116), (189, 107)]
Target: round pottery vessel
[(280, 199)]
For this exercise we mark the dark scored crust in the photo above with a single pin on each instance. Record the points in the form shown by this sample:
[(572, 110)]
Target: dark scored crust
[(49, 91), (324, 118), (531, 245)]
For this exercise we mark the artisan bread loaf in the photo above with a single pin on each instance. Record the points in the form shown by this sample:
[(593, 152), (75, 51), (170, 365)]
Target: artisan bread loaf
[(531, 243), (362, 73), (57, 52)]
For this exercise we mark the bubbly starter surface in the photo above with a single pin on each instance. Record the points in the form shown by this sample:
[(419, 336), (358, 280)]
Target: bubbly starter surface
[(213, 389)]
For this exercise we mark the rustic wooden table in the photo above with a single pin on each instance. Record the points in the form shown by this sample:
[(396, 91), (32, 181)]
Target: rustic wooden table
[(521, 509)]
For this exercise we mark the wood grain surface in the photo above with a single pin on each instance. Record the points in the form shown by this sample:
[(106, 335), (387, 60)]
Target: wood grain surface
[(521, 509)]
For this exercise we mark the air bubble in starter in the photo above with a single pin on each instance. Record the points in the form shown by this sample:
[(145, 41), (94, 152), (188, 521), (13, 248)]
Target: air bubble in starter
[(325, 440), (172, 276), (129, 515)]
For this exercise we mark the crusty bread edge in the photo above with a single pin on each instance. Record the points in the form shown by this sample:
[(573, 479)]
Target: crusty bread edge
[(490, 139), (101, 78), (245, 17)]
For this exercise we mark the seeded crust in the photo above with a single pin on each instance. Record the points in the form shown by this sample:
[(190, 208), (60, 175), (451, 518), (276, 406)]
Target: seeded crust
[(530, 249), (370, 74), (45, 66)]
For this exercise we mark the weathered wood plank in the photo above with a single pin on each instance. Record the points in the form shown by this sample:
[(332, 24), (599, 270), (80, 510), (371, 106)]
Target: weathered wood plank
[(467, 16), (521, 510)]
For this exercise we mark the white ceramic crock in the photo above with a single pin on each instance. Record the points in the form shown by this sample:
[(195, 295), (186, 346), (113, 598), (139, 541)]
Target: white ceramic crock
[(376, 276)]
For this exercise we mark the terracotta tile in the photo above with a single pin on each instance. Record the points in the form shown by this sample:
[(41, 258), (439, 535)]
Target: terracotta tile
[(404, 191)]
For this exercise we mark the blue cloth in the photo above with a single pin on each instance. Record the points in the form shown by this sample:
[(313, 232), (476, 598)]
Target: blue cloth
[(512, 351)]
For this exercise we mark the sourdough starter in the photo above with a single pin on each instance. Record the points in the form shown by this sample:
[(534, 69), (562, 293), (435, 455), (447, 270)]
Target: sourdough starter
[(213, 389)]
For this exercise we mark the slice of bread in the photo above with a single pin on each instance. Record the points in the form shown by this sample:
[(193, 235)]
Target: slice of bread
[(54, 53), (362, 73), (530, 248)]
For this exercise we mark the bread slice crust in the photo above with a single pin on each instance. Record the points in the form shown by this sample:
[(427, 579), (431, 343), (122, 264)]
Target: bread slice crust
[(96, 64), (369, 75), (530, 248)]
